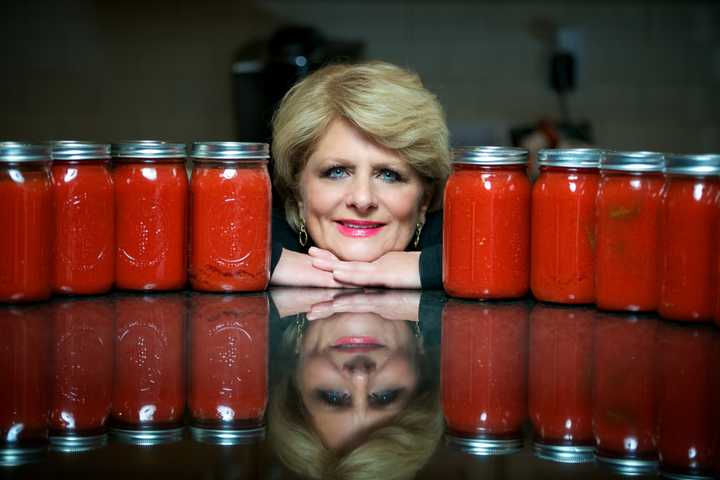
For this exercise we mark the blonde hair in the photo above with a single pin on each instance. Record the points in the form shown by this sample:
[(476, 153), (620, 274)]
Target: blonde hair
[(387, 103)]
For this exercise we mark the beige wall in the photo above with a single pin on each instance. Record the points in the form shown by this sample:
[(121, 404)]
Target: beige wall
[(648, 78)]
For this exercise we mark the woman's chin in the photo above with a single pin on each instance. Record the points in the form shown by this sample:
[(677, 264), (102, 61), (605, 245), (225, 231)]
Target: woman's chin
[(357, 253)]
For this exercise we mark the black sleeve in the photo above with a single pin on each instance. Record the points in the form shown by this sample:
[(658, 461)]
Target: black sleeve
[(431, 252), (283, 236)]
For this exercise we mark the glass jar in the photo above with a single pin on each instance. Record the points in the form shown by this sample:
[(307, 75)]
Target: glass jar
[(484, 375), (689, 237), (84, 209), (151, 196), (486, 224), (560, 382), (563, 225), (25, 222), (228, 392), (627, 228), (230, 217)]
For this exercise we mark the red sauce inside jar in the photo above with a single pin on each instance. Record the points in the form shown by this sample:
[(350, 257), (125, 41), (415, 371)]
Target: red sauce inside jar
[(230, 227), (26, 239), (689, 246), (83, 366), (150, 222), (627, 254), (560, 375), (563, 235), (624, 387), (484, 369), (229, 360), (84, 253), (486, 231), (149, 374)]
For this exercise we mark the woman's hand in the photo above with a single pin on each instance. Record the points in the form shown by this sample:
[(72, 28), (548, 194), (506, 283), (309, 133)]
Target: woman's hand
[(392, 270), (295, 269)]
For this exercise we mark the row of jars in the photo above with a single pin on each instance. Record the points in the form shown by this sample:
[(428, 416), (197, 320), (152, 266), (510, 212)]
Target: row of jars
[(632, 392), (73, 370), (628, 231), (74, 225)]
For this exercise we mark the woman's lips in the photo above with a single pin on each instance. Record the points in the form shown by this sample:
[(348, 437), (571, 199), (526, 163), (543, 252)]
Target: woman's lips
[(357, 342), (359, 228)]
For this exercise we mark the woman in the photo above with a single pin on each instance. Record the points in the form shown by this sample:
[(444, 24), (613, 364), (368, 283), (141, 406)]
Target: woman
[(361, 157)]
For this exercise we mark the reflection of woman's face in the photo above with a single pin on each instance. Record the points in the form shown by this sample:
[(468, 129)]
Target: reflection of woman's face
[(359, 200), (356, 372)]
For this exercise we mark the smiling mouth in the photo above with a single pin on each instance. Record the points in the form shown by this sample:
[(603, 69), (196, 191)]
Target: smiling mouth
[(358, 228)]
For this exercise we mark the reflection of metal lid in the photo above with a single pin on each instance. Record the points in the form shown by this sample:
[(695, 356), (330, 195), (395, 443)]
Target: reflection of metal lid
[(565, 453), (633, 161), (15, 456), (629, 466), (490, 155), (702, 164), (73, 150), (228, 436), (570, 157), (485, 445), (147, 149), (76, 443), (16, 152), (230, 151), (147, 437), (684, 476)]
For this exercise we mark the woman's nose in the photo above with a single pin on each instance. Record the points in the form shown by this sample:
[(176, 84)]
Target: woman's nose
[(362, 194), (359, 364)]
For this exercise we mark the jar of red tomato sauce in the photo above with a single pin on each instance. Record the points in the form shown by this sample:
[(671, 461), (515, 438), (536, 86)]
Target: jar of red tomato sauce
[(151, 196), (230, 217), (563, 225), (690, 239), (84, 209), (484, 375), (228, 392), (486, 224), (25, 222), (560, 382), (627, 228)]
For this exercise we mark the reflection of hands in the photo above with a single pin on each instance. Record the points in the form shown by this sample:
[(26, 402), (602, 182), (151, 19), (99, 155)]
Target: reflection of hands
[(290, 301), (389, 304), (392, 270)]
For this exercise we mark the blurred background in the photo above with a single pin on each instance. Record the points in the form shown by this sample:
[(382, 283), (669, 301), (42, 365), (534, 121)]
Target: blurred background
[(618, 74)]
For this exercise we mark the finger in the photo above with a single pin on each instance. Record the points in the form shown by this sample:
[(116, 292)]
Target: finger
[(320, 253), (323, 264), (357, 276)]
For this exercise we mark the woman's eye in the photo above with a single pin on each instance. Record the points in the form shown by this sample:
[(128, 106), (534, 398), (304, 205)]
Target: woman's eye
[(383, 398), (389, 175), (334, 398), (335, 172)]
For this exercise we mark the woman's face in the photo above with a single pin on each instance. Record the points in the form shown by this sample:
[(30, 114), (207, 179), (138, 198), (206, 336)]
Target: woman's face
[(359, 199), (356, 372)]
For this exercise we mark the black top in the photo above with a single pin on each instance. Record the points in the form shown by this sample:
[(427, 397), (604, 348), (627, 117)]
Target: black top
[(430, 246)]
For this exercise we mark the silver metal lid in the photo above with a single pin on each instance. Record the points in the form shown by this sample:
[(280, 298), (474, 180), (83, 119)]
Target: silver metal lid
[(228, 436), (147, 149), (224, 151), (691, 164), (484, 446), (684, 476), (74, 150), (490, 155), (628, 466), (570, 157), (565, 453), (77, 443), (16, 456), (147, 437), (17, 152), (641, 162)]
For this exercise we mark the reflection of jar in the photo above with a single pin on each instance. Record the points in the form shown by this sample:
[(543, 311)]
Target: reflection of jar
[(689, 237), (486, 226), (24, 375), (151, 190), (83, 198), (228, 367), (230, 217), (25, 222), (560, 382), (82, 382), (628, 215), (563, 225), (624, 392), (484, 375), (687, 398), (149, 378)]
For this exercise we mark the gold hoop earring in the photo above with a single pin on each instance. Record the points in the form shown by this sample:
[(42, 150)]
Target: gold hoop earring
[(300, 321), (418, 229), (302, 233)]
